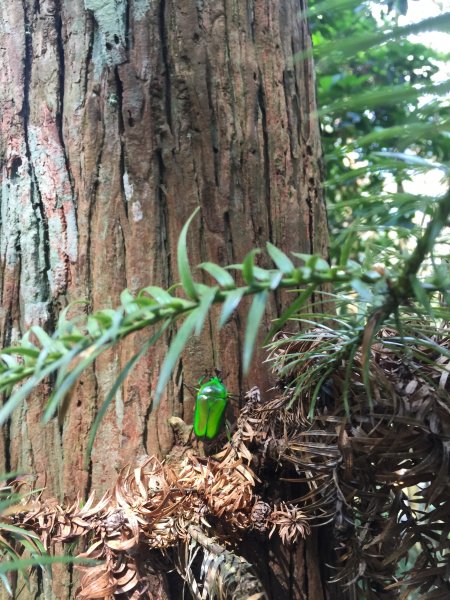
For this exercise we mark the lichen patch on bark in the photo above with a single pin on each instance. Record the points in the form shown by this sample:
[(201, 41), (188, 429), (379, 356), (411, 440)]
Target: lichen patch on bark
[(110, 18)]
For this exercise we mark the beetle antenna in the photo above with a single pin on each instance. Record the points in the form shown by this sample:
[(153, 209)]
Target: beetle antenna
[(192, 390)]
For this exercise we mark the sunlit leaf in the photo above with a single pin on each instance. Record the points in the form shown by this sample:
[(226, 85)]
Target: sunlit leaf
[(159, 294), (176, 348), (255, 315), (230, 304), (184, 269), (344, 49), (248, 266), (281, 260), (117, 385), (221, 275), (413, 160)]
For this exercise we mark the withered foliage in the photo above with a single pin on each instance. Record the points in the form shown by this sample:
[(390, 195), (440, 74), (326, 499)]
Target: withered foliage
[(223, 574), (378, 475), (160, 506)]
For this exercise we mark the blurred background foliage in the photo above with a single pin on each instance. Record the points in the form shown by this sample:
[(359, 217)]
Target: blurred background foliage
[(384, 112)]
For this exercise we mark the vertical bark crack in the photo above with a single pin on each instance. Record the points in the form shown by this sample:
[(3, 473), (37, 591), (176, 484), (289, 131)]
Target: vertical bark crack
[(163, 216), (213, 121), (121, 128), (88, 60), (90, 464), (251, 18), (309, 201), (93, 199), (266, 154), (165, 62), (61, 79), (35, 195)]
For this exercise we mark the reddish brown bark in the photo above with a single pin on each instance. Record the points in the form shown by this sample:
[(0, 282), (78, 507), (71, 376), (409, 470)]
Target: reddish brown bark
[(115, 125)]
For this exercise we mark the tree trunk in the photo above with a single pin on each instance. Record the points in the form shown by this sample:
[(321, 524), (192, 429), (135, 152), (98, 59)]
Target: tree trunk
[(118, 119)]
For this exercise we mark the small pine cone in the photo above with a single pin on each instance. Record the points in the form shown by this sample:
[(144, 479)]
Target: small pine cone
[(114, 522), (259, 515)]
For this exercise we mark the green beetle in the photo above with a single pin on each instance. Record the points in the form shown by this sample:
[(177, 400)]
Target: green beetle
[(210, 405)]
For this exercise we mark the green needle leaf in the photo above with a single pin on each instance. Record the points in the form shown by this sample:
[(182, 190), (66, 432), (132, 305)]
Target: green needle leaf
[(104, 342), (40, 561), (26, 388), (248, 266), (255, 315), (68, 382), (420, 293), (21, 351), (117, 384), (176, 348), (206, 301), (317, 391), (292, 309), (282, 262), (183, 262), (231, 303), (223, 278)]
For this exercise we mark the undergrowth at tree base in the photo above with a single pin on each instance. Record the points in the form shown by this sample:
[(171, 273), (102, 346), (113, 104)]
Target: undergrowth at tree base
[(377, 481)]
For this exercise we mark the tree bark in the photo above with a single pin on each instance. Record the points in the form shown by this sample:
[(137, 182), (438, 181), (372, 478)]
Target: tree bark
[(118, 119)]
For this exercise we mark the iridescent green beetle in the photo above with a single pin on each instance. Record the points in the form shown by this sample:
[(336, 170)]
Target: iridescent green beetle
[(210, 405)]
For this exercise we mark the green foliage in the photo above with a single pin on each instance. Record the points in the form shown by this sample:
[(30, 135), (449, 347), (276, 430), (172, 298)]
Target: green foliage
[(75, 343), (385, 118)]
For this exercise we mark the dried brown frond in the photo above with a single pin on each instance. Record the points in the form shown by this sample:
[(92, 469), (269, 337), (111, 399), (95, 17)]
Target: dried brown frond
[(290, 522), (382, 474), (221, 575), (379, 475), (154, 505)]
